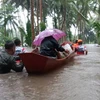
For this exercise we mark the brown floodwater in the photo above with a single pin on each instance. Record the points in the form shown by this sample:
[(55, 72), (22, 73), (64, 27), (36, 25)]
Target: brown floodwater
[(77, 80)]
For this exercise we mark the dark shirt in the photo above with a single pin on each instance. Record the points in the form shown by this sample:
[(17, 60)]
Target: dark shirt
[(49, 47), (8, 62)]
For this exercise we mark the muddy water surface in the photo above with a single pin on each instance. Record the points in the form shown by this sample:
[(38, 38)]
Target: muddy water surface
[(77, 80)]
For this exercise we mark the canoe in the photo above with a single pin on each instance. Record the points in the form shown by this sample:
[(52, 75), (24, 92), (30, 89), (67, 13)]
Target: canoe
[(36, 63), (82, 52)]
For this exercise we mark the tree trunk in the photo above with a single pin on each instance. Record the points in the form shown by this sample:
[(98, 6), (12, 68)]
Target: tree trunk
[(37, 6), (40, 3), (32, 18)]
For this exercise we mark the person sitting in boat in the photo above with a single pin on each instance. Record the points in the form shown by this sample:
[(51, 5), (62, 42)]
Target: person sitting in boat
[(81, 49), (7, 60), (50, 47), (19, 48)]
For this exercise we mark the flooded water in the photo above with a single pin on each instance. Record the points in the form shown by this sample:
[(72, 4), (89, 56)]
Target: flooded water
[(77, 80)]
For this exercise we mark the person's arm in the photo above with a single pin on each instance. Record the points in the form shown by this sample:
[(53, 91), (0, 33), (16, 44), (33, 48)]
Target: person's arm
[(14, 66), (60, 48), (35, 50), (57, 46), (24, 50)]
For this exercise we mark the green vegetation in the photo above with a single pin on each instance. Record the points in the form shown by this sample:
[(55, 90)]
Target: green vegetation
[(64, 13), (96, 25)]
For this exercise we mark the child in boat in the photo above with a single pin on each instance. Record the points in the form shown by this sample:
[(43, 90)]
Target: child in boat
[(19, 48)]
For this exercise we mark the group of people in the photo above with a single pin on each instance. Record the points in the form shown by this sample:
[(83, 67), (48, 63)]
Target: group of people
[(8, 56), (79, 47), (49, 47)]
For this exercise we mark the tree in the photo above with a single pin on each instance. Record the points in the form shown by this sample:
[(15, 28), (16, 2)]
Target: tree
[(65, 13), (32, 18), (8, 19), (96, 25)]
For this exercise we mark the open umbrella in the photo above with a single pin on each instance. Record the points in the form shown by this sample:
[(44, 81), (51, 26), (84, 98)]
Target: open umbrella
[(56, 33)]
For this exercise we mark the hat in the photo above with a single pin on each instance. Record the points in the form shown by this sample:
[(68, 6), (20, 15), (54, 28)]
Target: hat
[(79, 40)]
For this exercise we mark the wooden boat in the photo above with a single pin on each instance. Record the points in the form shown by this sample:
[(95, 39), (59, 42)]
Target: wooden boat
[(82, 52), (36, 63)]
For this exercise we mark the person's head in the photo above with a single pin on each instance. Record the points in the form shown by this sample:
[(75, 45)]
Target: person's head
[(10, 47), (79, 41), (17, 42), (76, 41)]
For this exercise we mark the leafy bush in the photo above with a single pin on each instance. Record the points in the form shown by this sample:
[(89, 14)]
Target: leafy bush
[(96, 26), (42, 26)]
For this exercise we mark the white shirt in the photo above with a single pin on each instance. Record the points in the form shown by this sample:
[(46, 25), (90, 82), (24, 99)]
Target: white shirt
[(82, 48), (19, 49), (67, 47)]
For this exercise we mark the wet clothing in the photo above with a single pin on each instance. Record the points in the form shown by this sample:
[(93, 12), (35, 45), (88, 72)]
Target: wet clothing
[(49, 47), (8, 63)]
